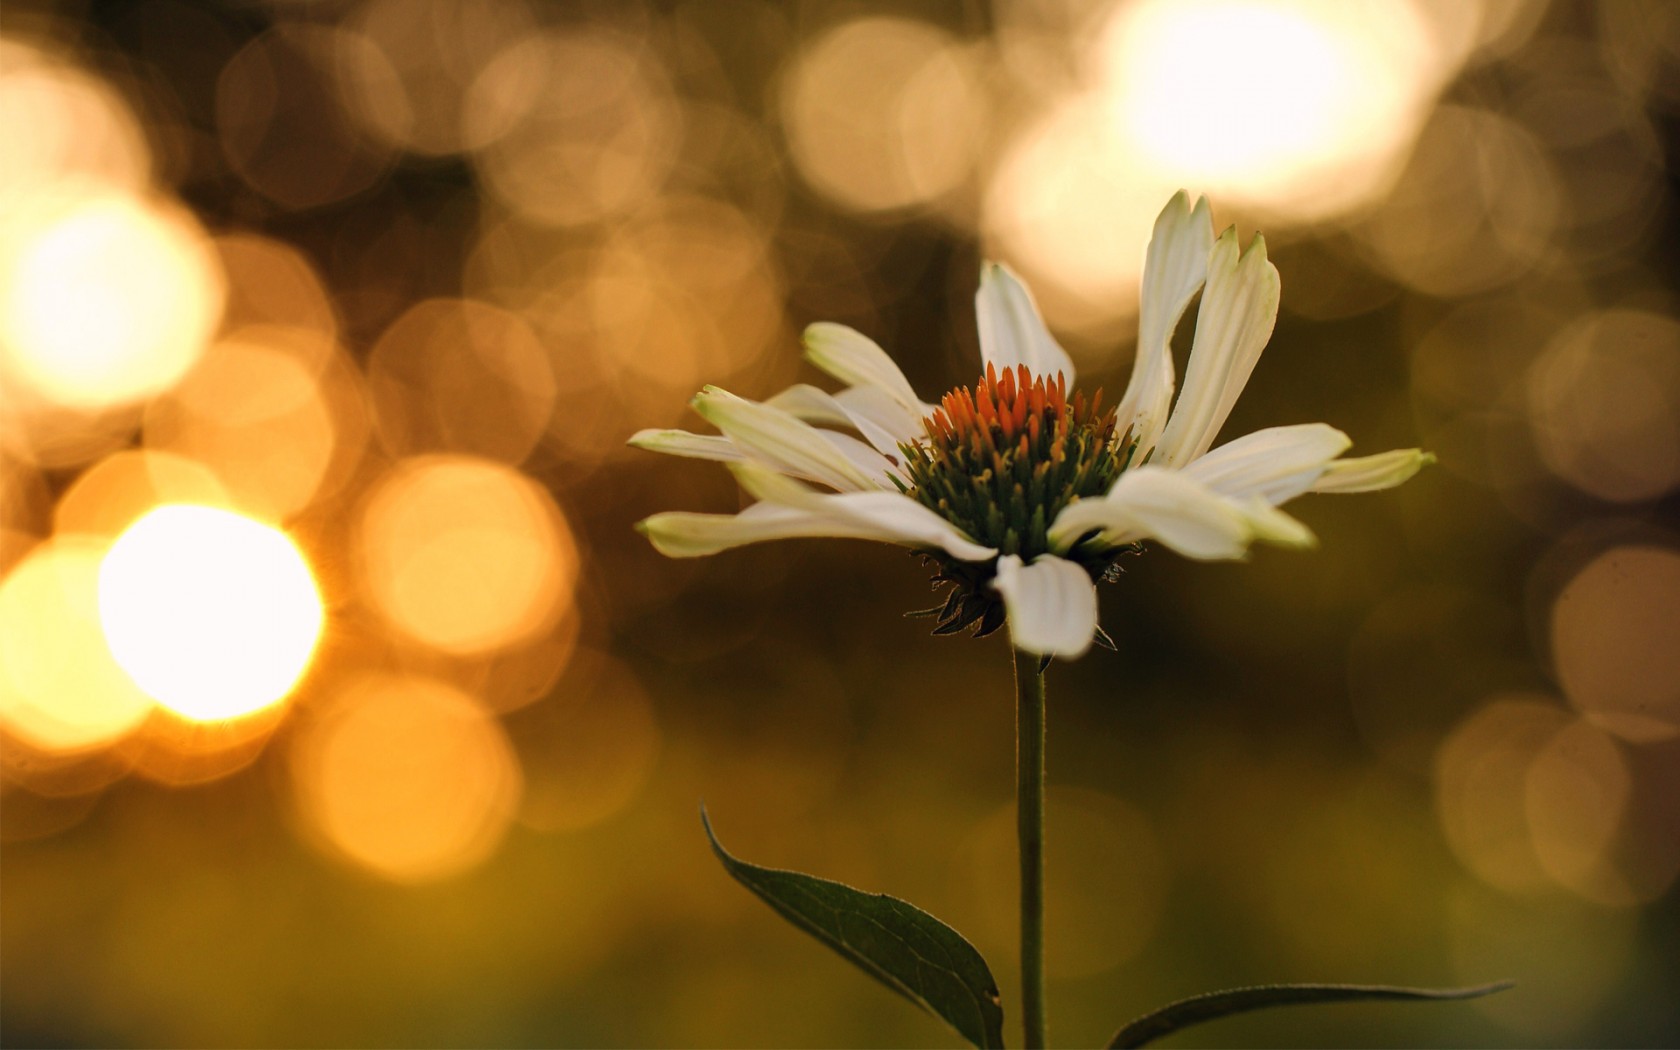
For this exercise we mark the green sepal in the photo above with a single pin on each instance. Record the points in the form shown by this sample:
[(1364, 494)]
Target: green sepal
[(899, 945), (1214, 1005)]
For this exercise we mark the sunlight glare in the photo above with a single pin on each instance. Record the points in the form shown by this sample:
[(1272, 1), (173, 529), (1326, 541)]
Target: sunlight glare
[(213, 614), (1282, 103), (60, 691), (106, 300)]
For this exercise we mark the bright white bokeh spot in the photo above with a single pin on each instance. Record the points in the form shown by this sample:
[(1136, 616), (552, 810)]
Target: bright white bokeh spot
[(213, 614), (106, 300), (1271, 101)]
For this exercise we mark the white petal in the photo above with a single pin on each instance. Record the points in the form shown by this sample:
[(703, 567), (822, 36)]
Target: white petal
[(1371, 473), (811, 404), (873, 405), (1273, 526), (864, 457), (1052, 605), (882, 421), (693, 446), (1239, 307), (778, 438), (772, 486), (1277, 464), (1180, 512), (888, 516), (852, 357), (908, 522), (1173, 272), (1161, 504), (679, 534), (1011, 330)]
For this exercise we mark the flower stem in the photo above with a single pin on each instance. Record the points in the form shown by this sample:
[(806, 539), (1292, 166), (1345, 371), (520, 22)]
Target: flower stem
[(1029, 811)]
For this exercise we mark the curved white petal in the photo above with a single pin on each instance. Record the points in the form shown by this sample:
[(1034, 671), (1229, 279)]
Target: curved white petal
[(812, 404), (1011, 330), (785, 442), (1239, 307), (693, 446), (1156, 503), (1371, 473), (772, 486), (872, 405), (1276, 464), (908, 522), (1173, 272), (852, 357), (869, 411), (679, 534), (1273, 526), (1052, 605), (865, 457), (888, 516)]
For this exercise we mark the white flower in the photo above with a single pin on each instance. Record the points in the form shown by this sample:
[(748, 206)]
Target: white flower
[(1022, 490)]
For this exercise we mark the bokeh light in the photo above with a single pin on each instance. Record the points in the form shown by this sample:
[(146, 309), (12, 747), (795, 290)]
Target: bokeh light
[(884, 113), (213, 614), (273, 425), (59, 122), (1298, 105), (1604, 404), (105, 299), (465, 555), (411, 87), (407, 778), (60, 688), (271, 284), (117, 491), (1615, 639), (580, 126), (284, 124), (453, 375), (1481, 788)]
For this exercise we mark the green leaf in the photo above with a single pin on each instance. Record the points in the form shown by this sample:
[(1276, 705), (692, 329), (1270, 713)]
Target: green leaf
[(1214, 1005), (899, 945)]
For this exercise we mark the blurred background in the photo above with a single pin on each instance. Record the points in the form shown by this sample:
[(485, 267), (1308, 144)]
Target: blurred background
[(377, 289)]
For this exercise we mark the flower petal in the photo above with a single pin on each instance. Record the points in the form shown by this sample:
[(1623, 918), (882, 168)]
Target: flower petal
[(780, 439), (692, 446), (1180, 512), (865, 457), (1161, 504), (1011, 330), (1273, 526), (1052, 605), (1239, 307), (887, 516), (1276, 464), (1371, 473), (1173, 272), (867, 410), (873, 405), (852, 357), (679, 534), (812, 404)]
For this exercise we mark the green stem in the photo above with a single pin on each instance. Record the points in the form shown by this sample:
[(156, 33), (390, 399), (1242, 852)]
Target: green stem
[(1029, 811)]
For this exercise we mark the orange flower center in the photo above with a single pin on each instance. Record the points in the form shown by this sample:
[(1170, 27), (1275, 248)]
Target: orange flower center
[(1000, 461)]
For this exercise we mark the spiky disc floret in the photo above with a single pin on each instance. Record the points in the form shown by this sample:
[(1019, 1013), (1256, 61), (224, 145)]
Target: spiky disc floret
[(1000, 461)]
